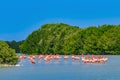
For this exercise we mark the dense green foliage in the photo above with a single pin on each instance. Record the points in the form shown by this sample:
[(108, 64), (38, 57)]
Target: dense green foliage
[(65, 39), (15, 45), (7, 55)]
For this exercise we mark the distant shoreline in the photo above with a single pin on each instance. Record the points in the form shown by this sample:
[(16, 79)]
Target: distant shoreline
[(6, 65)]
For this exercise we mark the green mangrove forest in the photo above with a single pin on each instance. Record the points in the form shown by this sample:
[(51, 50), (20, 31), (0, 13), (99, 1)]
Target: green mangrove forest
[(62, 38)]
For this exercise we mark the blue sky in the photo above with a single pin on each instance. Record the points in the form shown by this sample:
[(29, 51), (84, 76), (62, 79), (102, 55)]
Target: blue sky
[(18, 18)]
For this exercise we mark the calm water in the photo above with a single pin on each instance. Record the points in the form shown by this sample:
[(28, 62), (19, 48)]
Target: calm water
[(63, 70)]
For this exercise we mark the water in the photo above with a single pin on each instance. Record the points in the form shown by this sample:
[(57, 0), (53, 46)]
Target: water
[(63, 70)]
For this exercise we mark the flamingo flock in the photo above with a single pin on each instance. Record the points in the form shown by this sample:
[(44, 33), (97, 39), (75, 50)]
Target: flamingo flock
[(94, 59), (84, 58)]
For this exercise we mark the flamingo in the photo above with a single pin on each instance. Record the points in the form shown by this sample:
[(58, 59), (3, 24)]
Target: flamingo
[(65, 56), (75, 57)]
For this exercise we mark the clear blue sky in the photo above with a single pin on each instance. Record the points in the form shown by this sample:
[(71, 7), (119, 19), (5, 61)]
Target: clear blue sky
[(18, 18)]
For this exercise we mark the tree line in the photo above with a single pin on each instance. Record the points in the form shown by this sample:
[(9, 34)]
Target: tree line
[(65, 39)]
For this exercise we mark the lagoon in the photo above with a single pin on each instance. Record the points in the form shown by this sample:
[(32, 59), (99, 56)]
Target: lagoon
[(63, 70)]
